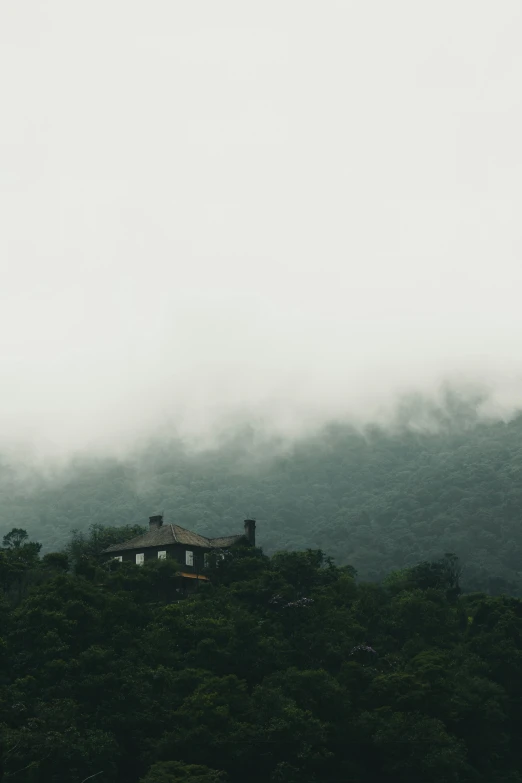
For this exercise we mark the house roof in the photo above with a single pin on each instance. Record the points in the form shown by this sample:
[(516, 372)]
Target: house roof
[(174, 534)]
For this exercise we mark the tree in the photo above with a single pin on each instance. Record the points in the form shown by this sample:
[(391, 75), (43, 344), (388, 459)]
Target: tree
[(15, 538), (286, 670), (177, 772), (56, 561), (85, 551), (18, 557)]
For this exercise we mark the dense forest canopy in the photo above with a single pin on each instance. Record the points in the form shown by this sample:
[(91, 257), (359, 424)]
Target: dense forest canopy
[(281, 669), (440, 479)]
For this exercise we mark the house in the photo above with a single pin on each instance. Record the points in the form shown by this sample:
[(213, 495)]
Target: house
[(172, 541)]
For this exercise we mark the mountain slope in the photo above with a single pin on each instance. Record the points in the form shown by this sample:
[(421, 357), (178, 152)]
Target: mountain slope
[(378, 500)]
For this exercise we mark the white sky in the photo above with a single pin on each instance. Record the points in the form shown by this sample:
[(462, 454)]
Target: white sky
[(289, 207)]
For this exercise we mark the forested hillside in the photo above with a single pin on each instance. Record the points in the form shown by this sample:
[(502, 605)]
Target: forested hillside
[(280, 670), (377, 499)]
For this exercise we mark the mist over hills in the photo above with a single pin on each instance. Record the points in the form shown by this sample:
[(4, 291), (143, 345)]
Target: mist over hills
[(233, 236), (440, 479)]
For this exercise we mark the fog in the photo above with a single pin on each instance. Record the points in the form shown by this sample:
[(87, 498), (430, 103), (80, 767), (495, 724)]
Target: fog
[(281, 211)]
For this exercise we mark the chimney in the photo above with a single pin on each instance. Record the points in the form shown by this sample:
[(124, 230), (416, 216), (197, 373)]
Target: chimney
[(155, 522), (250, 531)]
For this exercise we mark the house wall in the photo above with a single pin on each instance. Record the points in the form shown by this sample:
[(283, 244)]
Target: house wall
[(176, 551)]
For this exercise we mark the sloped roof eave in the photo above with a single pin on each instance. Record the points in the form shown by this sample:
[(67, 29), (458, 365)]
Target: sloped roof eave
[(174, 534), (160, 537)]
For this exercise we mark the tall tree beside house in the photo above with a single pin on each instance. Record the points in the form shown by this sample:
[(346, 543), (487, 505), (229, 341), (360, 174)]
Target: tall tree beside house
[(90, 546), (18, 558)]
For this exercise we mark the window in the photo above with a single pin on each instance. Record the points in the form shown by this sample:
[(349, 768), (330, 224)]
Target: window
[(162, 555), (189, 558), (140, 559), (119, 558), (205, 560)]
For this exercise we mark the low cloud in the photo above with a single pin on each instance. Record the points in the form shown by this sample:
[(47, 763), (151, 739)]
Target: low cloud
[(281, 216)]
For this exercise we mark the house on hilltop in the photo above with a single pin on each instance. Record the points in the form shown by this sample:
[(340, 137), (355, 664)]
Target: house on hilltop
[(172, 541)]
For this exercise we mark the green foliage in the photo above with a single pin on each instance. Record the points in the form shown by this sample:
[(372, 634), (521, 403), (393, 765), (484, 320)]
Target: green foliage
[(18, 559), (282, 668), (175, 772), (85, 549), (443, 574), (15, 538), (56, 561)]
